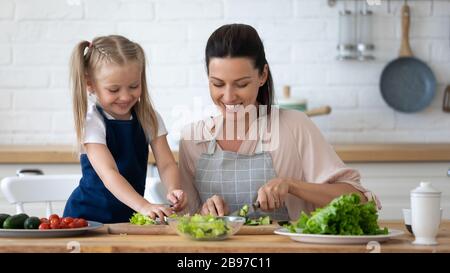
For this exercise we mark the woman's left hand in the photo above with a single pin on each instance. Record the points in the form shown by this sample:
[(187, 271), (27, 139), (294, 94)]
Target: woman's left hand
[(273, 194), (178, 199)]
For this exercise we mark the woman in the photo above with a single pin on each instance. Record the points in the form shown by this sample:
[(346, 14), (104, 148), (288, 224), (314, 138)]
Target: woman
[(275, 157)]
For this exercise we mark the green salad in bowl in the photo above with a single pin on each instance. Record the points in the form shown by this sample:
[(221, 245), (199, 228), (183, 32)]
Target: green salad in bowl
[(206, 227)]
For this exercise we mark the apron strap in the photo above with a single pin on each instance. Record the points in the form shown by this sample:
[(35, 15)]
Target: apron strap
[(213, 142), (262, 128), (100, 110), (259, 145), (212, 146)]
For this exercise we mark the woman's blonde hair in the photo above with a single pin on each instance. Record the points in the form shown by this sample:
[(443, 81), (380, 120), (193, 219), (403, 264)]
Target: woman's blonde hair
[(87, 57)]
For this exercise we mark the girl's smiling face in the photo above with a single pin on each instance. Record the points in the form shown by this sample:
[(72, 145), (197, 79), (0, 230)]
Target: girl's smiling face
[(117, 88), (234, 83)]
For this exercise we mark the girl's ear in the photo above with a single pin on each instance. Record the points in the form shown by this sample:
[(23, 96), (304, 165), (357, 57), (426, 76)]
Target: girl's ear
[(264, 75), (89, 84)]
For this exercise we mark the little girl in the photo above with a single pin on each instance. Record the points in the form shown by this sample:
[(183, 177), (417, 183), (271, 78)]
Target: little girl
[(114, 134)]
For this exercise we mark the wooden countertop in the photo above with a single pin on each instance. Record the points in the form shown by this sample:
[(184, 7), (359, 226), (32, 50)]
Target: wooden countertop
[(51, 154), (101, 241)]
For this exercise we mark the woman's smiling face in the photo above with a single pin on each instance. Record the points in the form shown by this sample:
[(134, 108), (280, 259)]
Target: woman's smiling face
[(234, 83)]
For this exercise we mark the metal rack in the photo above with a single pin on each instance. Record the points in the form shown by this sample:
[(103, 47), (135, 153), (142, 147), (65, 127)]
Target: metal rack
[(332, 3)]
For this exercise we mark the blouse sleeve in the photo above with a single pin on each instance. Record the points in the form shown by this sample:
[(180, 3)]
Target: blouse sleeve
[(94, 127), (321, 164)]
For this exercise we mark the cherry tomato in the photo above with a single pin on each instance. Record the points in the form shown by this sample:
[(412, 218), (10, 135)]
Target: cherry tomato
[(77, 223), (55, 225), (54, 221), (82, 222), (44, 226), (53, 216), (63, 225), (72, 225), (45, 220), (67, 220)]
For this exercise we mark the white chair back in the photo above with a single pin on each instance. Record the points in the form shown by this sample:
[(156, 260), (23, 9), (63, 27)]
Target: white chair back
[(155, 192), (19, 190)]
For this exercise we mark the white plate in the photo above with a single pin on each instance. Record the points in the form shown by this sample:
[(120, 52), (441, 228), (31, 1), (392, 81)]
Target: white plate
[(338, 239), (42, 233)]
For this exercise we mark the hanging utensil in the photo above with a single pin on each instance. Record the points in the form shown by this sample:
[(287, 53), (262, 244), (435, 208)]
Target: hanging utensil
[(347, 34), (407, 84)]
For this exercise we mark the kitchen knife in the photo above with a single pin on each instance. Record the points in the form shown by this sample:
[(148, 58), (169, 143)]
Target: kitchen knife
[(255, 206)]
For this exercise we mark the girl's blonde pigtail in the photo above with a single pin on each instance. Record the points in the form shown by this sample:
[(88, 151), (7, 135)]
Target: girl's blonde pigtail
[(144, 108), (78, 72)]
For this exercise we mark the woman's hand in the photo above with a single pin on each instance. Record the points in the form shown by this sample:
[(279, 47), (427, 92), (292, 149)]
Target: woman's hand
[(273, 194), (156, 210), (178, 199), (216, 206)]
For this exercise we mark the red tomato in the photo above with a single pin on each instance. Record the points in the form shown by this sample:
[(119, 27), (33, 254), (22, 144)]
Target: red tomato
[(82, 222), (67, 220), (44, 226), (55, 225), (54, 221), (53, 216), (63, 225), (45, 220), (77, 224), (72, 225)]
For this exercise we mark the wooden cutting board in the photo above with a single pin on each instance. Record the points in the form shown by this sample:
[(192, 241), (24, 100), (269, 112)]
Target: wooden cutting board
[(127, 228), (258, 230)]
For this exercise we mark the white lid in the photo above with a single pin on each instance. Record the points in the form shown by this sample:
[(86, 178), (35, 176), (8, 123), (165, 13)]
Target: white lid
[(425, 188)]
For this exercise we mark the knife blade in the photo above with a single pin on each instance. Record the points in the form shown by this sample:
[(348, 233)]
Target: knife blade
[(255, 206)]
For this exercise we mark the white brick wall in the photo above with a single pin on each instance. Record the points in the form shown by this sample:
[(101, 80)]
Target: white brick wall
[(300, 36)]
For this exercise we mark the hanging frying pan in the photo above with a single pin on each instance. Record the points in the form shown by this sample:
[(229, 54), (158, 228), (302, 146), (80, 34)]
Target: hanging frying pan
[(407, 84)]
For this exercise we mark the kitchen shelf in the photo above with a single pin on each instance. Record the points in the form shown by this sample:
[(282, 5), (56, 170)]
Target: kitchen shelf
[(349, 153)]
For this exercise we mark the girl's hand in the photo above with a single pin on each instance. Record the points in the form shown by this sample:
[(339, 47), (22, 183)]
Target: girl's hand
[(178, 199), (156, 210), (273, 194), (216, 206)]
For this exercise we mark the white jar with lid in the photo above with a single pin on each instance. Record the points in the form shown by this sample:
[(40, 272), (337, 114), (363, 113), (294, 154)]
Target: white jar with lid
[(425, 213)]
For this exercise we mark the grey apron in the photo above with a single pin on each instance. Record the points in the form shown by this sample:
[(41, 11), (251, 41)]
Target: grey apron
[(235, 177)]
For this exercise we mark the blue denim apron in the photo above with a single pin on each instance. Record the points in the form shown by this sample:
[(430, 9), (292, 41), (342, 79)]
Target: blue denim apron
[(128, 145)]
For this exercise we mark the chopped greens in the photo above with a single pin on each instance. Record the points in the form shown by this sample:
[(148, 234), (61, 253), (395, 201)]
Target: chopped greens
[(140, 219), (203, 227), (263, 220), (243, 211), (345, 215)]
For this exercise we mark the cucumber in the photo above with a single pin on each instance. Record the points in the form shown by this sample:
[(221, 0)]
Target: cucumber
[(32, 223), (3, 217), (15, 221)]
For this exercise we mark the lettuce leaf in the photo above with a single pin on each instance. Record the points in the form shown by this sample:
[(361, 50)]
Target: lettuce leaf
[(345, 215), (140, 219)]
